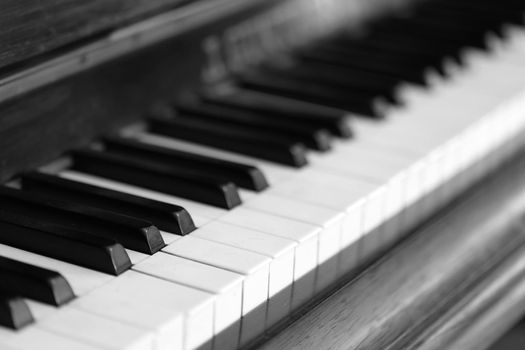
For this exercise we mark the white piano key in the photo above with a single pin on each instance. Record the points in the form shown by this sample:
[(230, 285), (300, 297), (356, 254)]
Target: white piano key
[(280, 250), (180, 317), (385, 170), (339, 199), (137, 257), (305, 235), (254, 267), (169, 237), (31, 338), (82, 280), (330, 221), (90, 329), (40, 310), (225, 286)]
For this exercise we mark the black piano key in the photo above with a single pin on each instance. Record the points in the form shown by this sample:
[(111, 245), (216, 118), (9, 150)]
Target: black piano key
[(505, 13), (508, 10), (58, 242), (14, 312), (167, 217), (240, 140), (362, 103), (389, 63), (414, 75), (132, 233), (458, 37), (158, 177), (387, 42), (345, 79), (383, 61), (34, 282), (472, 34), (460, 17), (316, 138), (334, 120), (449, 37), (243, 175)]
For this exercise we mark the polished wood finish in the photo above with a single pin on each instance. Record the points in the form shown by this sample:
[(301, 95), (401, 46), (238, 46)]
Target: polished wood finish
[(484, 314), (30, 28), (441, 286)]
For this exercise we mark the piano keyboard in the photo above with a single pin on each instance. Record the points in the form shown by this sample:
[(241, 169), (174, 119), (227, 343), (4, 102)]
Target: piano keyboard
[(218, 219)]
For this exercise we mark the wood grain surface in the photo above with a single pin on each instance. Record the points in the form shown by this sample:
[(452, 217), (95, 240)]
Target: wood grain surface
[(484, 314), (410, 291), (31, 27)]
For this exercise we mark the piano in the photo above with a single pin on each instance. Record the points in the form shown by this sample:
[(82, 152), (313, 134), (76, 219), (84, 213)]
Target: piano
[(248, 174)]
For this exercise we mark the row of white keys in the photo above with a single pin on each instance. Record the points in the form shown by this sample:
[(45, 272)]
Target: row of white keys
[(32, 337), (331, 224), (280, 250), (255, 268), (35, 336), (178, 317), (44, 334), (225, 286), (88, 328)]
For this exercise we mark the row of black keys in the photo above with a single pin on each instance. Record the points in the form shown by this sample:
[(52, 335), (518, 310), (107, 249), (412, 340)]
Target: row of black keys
[(342, 73), (84, 224), (28, 281), (90, 226)]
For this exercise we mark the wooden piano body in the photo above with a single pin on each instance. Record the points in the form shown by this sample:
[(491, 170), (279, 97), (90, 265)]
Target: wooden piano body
[(74, 71)]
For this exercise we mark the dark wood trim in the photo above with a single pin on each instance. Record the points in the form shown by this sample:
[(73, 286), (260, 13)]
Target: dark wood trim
[(485, 314), (31, 73), (443, 266), (32, 28)]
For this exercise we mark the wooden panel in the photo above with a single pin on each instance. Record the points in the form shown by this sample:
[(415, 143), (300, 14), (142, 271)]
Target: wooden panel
[(411, 289), (29, 27), (40, 125), (485, 314)]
